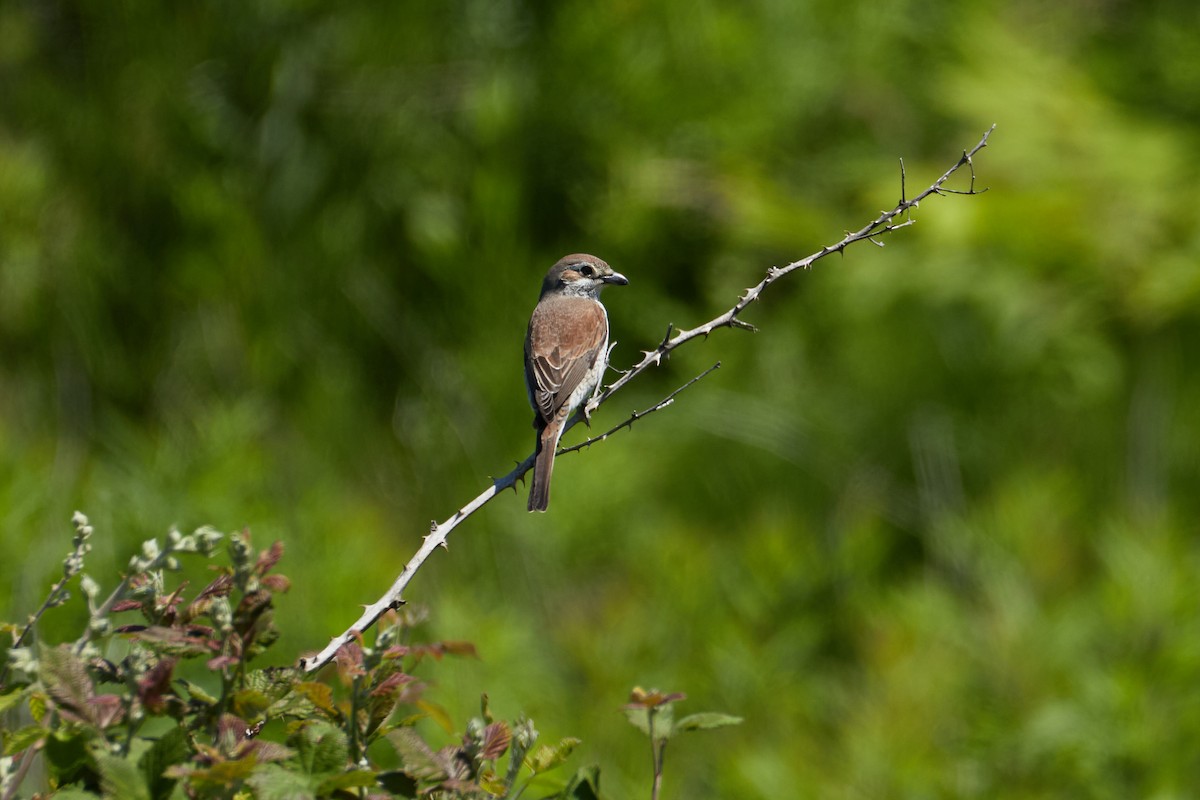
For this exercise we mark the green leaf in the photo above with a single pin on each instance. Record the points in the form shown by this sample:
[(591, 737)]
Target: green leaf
[(250, 704), (121, 780), (491, 783), (197, 693), (17, 741), (320, 695), (354, 779), (584, 785), (663, 720), (275, 782), (547, 758), (223, 774), (66, 754), (66, 680), (706, 721), (417, 758), (73, 793), (12, 699), (321, 748), (37, 706), (169, 749), (398, 783), (639, 718)]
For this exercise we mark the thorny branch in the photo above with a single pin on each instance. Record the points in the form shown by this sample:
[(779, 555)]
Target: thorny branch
[(636, 415), (885, 223)]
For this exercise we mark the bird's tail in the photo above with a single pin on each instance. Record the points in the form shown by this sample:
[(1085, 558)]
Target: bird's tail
[(543, 466)]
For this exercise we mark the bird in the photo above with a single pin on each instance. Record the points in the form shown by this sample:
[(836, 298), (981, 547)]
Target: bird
[(566, 353)]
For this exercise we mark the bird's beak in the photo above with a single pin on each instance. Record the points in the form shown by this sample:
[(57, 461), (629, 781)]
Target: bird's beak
[(616, 278)]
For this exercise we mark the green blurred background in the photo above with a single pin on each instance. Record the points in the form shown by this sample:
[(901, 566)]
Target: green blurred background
[(932, 531)]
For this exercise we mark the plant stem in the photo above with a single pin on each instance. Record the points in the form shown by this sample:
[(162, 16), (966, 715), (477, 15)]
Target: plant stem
[(656, 756)]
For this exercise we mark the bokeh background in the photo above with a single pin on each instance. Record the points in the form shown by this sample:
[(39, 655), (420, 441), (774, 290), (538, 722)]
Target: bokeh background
[(932, 531)]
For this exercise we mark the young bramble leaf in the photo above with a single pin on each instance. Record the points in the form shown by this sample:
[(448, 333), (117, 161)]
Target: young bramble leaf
[(275, 782), (119, 777), (490, 782), (11, 699), (220, 775), (153, 686), (67, 753), (66, 680), (106, 709), (584, 785), (706, 721), (495, 740), (653, 721), (197, 693), (250, 704), (17, 741), (398, 784), (321, 748), (38, 705), (547, 758), (417, 758), (353, 779), (320, 695), (638, 718), (170, 749)]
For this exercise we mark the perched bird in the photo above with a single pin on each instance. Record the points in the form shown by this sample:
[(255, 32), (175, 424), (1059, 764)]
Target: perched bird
[(566, 353)]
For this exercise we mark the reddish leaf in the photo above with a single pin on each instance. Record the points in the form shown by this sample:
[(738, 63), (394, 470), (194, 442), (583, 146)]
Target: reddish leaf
[(200, 631), (175, 641), (106, 709), (220, 662), (397, 651), (231, 731), (460, 649), (169, 603), (220, 586), (156, 683), (349, 662), (496, 739), (277, 583), (392, 684), (269, 558), (266, 751), (125, 605), (253, 604), (641, 698), (437, 650)]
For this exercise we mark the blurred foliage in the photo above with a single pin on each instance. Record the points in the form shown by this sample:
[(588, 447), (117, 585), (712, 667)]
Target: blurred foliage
[(931, 531), (265, 733)]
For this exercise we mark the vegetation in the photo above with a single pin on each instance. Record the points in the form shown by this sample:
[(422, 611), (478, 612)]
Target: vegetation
[(161, 735), (930, 531)]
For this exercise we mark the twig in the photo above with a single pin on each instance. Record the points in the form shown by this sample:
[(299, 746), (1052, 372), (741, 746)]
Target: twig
[(18, 777), (438, 532), (636, 415), (72, 566), (881, 225), (658, 753)]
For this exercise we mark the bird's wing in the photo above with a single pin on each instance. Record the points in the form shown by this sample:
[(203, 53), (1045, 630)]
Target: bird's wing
[(566, 336)]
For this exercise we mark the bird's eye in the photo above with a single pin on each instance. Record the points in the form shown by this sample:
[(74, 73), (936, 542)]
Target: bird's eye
[(586, 270)]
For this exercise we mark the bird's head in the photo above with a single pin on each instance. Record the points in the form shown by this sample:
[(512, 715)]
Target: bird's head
[(580, 274)]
